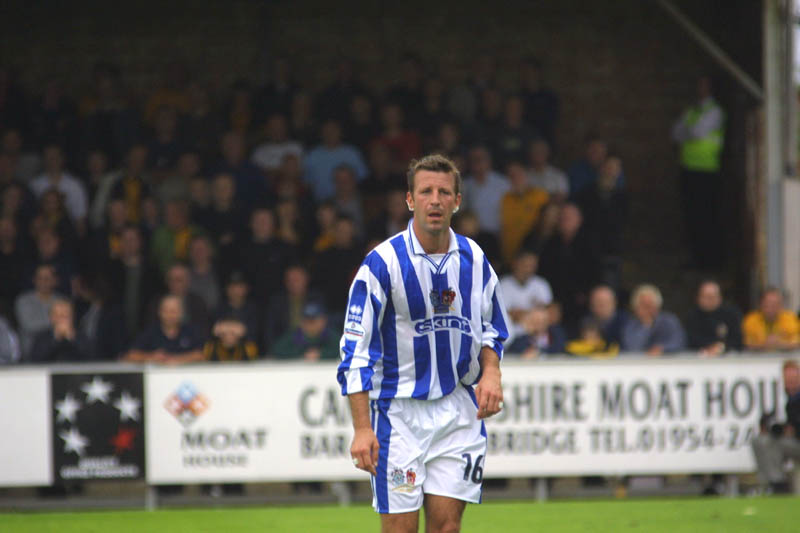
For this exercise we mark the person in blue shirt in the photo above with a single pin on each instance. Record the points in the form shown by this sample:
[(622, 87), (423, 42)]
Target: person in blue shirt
[(652, 330), (321, 162)]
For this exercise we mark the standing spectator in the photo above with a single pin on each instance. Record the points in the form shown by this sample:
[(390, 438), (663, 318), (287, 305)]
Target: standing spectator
[(713, 326), (541, 103), (538, 337), (268, 155), (512, 138), (544, 175), (229, 342), (55, 177), (484, 189), (170, 339), (605, 213), (10, 349), (333, 269), (700, 131), (321, 162), (265, 256), (346, 197), (60, 341), (238, 305), (771, 327), (652, 330), (604, 312), (569, 263), (519, 209), (250, 184), (203, 276), (131, 184), (404, 144), (312, 340), (523, 290), (32, 308), (171, 240), (286, 306)]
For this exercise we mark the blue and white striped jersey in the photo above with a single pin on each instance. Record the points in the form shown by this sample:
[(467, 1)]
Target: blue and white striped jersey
[(415, 326)]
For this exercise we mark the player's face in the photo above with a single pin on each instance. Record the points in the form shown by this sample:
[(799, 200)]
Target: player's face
[(434, 200)]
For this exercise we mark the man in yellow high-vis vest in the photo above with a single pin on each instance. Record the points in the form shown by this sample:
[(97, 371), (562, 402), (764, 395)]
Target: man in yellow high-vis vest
[(700, 134)]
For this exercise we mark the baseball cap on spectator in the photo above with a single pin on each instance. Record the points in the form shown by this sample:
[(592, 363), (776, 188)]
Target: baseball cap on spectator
[(314, 309)]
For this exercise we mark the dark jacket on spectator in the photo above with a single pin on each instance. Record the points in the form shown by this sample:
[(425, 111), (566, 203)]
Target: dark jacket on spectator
[(724, 324), (555, 343), (46, 349)]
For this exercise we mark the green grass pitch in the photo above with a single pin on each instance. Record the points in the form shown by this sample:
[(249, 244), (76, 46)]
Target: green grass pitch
[(672, 516)]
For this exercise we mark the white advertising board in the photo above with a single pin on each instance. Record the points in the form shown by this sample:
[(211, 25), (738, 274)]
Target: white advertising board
[(279, 422), (25, 458)]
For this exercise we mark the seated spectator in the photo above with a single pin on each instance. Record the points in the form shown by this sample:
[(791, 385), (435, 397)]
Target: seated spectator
[(346, 197), (519, 209), (569, 263), (132, 187), (604, 311), (404, 144), (312, 340), (176, 185), (276, 95), (237, 305), (229, 342), (466, 223), (448, 140), (14, 260), (326, 224), (129, 184), (169, 340), (713, 326), (203, 275), (605, 210), (101, 323), (250, 184), (543, 175), (17, 203), (171, 240), (512, 137), (591, 341), (394, 218), (361, 127), (54, 176), (265, 256), (583, 173), (334, 269), (545, 227), (26, 164), (408, 92), (165, 147), (286, 306), (771, 327), (10, 349), (523, 290), (433, 113), (52, 216), (60, 342), (223, 219), (97, 172), (32, 308), (320, 162), (538, 337), (484, 189), (303, 125), (105, 239), (268, 155), (193, 308), (199, 198), (652, 330)]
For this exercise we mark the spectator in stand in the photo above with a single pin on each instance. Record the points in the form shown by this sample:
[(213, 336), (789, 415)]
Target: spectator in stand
[(490, 114), (326, 224), (333, 270), (250, 184), (466, 223), (203, 275), (24, 164), (131, 184), (170, 91), (176, 185), (569, 263), (132, 280), (381, 178), (292, 224), (408, 92), (238, 305), (268, 155), (193, 308), (433, 113), (171, 240), (541, 103), (604, 312), (544, 175), (519, 208), (591, 342), (18, 203), (169, 340), (713, 326), (448, 140), (651, 330), (164, 149), (50, 250), (605, 213), (303, 126), (512, 138), (199, 198), (320, 163), (394, 218), (484, 189), (55, 177), (584, 172), (223, 220), (10, 349), (201, 123), (52, 216), (239, 109), (229, 342), (264, 257), (346, 197), (523, 290), (286, 306), (771, 327), (538, 337), (97, 172), (53, 117), (32, 308), (404, 144), (465, 98), (14, 261), (361, 127), (105, 240), (276, 96), (312, 340), (334, 101), (100, 324), (545, 228), (60, 341)]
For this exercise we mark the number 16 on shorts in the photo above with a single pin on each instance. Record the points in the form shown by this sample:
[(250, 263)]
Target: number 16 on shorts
[(473, 472)]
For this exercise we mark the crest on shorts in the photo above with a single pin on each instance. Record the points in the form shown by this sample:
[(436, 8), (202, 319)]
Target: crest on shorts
[(403, 481), (442, 300)]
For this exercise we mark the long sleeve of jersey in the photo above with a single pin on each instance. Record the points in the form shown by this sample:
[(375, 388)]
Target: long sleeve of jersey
[(493, 314)]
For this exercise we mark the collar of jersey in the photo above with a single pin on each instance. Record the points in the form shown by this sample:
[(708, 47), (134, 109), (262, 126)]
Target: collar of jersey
[(416, 247)]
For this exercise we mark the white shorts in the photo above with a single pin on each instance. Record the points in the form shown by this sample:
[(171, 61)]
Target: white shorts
[(427, 447)]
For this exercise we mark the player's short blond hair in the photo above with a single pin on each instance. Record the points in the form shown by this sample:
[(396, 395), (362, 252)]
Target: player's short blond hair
[(433, 163)]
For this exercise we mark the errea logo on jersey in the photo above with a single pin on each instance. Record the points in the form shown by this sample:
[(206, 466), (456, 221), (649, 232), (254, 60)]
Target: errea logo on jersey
[(439, 323), (354, 313)]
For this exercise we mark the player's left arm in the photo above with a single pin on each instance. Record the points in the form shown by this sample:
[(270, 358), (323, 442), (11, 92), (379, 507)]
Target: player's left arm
[(489, 391)]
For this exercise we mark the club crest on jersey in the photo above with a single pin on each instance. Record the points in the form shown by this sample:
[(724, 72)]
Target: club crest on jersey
[(442, 300), (403, 481)]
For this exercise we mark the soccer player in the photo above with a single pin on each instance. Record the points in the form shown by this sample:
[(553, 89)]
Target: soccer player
[(425, 323)]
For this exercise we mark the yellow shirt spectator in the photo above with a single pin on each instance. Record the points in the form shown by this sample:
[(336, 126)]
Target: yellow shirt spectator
[(519, 213), (757, 330)]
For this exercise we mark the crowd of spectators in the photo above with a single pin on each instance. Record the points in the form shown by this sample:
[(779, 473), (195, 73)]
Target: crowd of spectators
[(185, 226)]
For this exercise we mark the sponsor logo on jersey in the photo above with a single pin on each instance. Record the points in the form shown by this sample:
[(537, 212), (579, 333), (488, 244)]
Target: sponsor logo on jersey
[(439, 323), (353, 331), (442, 300)]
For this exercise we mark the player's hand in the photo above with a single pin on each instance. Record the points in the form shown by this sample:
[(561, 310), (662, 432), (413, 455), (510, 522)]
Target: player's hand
[(365, 450), (489, 393)]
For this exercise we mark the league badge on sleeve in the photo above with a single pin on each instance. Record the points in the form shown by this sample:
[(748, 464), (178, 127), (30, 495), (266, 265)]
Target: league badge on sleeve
[(442, 300)]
